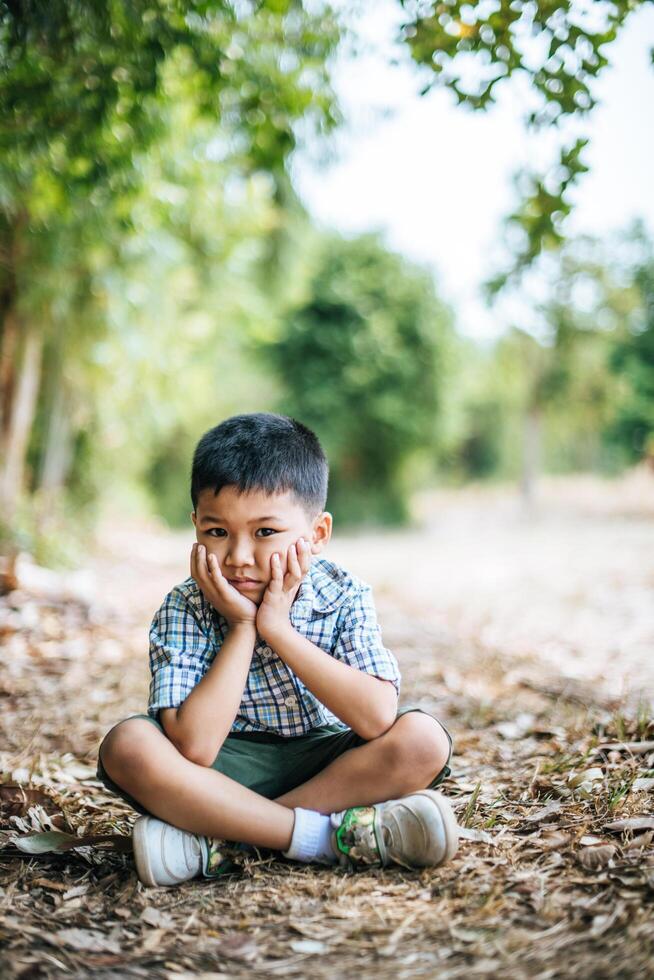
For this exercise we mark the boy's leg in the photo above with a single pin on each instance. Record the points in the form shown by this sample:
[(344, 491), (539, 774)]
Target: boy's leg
[(412, 755), (140, 759), (195, 803)]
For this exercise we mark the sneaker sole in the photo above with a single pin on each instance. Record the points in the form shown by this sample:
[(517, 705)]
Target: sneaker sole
[(139, 845)]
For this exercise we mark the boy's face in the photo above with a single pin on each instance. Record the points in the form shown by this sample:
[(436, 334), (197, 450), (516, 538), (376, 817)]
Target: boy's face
[(244, 530)]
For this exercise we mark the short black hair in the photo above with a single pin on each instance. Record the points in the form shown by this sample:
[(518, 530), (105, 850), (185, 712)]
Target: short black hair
[(262, 451)]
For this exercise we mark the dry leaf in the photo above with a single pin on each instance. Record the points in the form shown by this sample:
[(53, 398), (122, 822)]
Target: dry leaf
[(635, 748), (553, 841), (55, 840), (155, 917), (632, 823), (596, 856), (479, 836), (587, 776), (87, 940), (238, 947), (16, 799), (544, 813), (307, 946)]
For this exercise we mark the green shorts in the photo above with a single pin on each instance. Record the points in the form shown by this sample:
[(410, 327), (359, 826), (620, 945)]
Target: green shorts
[(272, 765)]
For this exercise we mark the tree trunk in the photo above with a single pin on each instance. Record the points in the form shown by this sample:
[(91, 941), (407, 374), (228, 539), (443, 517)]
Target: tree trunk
[(8, 345), (19, 425), (56, 459), (531, 455)]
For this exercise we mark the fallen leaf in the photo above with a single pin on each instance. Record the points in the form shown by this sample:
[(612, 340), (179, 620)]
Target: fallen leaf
[(636, 748), (479, 836), (155, 917), (602, 923), (307, 946), (639, 842), (56, 840), (596, 856), (547, 811), (553, 841), (632, 823), (88, 940), (57, 886), (16, 799), (152, 940), (238, 947), (517, 728), (587, 776), (75, 892)]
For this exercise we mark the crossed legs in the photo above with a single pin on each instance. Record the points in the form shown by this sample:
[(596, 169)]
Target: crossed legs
[(145, 763)]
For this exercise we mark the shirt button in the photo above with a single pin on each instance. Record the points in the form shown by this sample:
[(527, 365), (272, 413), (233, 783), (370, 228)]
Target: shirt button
[(290, 701), (266, 652)]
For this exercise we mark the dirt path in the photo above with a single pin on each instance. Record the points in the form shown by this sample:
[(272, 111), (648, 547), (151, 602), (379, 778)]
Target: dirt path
[(513, 631)]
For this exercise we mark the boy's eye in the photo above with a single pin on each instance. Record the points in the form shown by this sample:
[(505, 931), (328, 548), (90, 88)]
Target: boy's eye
[(216, 532), (266, 529)]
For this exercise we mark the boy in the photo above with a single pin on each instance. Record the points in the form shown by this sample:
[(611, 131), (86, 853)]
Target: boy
[(272, 716)]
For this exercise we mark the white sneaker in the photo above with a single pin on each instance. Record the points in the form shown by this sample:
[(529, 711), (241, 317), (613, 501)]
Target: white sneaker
[(416, 831), (166, 855)]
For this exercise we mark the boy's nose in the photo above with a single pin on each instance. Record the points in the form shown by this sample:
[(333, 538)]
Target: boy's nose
[(239, 553)]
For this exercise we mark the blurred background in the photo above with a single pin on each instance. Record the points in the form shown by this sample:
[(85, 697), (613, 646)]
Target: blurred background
[(425, 229)]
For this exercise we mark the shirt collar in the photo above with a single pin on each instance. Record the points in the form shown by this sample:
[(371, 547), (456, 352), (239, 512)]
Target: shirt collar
[(324, 589)]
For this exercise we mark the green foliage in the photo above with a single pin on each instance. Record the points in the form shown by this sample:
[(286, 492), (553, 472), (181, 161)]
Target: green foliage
[(363, 362), (537, 223), (585, 370), (82, 83), (632, 361), (142, 193), (558, 48)]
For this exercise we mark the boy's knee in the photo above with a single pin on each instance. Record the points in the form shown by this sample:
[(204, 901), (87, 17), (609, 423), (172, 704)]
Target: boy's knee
[(126, 746), (419, 746)]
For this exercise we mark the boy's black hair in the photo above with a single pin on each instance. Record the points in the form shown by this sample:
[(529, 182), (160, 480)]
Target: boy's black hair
[(262, 451)]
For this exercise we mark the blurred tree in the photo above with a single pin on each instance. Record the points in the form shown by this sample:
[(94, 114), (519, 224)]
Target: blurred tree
[(558, 389), (86, 91), (363, 359), (632, 360), (558, 47)]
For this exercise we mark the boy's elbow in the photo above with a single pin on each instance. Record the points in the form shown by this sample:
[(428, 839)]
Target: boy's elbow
[(201, 755), (382, 725), (383, 718)]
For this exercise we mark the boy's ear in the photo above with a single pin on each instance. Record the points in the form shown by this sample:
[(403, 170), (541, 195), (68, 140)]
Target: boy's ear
[(194, 518), (322, 532)]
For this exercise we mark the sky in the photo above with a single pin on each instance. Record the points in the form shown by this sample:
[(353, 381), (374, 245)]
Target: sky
[(435, 179)]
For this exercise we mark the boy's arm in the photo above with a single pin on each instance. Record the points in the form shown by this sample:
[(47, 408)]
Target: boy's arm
[(196, 688), (344, 680), (367, 704), (200, 725)]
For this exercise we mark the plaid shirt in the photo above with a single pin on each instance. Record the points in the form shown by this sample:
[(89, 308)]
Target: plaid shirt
[(333, 609)]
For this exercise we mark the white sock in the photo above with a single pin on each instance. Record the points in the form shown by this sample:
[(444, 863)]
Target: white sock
[(311, 840)]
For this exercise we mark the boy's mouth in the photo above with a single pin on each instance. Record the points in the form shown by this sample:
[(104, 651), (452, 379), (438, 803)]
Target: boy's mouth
[(243, 583)]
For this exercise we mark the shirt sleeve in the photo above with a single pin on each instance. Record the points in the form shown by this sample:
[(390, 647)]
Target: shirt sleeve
[(359, 640), (180, 653)]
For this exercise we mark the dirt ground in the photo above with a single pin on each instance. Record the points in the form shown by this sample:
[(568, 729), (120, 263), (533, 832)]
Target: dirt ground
[(529, 633)]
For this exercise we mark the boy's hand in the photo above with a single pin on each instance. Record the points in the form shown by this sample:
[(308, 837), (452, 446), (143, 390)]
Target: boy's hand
[(273, 614), (229, 602)]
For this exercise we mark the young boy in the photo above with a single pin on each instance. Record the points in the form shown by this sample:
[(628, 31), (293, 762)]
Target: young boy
[(272, 716)]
